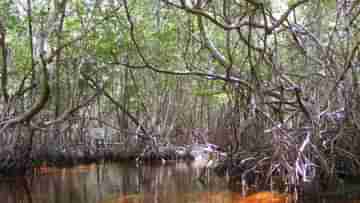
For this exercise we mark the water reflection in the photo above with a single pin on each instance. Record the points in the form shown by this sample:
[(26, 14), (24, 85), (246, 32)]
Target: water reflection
[(127, 183), (209, 197), (16, 190), (106, 182)]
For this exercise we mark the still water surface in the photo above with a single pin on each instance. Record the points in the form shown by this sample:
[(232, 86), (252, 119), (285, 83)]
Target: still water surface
[(127, 183)]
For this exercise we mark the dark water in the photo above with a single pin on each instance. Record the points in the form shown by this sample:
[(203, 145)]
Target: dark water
[(127, 183)]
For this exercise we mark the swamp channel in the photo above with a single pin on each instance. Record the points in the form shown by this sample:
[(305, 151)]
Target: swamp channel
[(176, 182)]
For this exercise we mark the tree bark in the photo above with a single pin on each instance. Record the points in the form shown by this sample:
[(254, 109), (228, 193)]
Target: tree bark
[(4, 55)]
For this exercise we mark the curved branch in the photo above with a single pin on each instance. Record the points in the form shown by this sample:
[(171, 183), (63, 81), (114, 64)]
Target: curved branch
[(155, 69), (36, 108), (72, 110), (238, 24), (214, 76), (285, 15), (210, 45), (95, 86)]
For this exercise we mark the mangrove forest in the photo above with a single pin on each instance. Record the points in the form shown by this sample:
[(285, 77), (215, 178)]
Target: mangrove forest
[(251, 93)]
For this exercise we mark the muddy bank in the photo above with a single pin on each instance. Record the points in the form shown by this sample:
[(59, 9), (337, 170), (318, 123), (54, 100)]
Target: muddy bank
[(23, 161)]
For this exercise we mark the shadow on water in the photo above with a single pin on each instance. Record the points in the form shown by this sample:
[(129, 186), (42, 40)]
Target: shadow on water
[(16, 190), (127, 183)]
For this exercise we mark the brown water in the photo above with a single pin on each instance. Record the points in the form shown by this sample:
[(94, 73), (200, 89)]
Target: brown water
[(127, 183)]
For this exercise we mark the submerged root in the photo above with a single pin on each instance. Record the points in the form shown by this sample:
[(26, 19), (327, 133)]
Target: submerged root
[(294, 158)]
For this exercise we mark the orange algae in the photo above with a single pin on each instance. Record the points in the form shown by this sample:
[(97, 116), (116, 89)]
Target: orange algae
[(232, 197), (265, 197), (49, 170), (209, 197)]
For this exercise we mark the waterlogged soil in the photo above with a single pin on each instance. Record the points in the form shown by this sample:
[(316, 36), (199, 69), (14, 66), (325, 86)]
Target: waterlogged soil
[(129, 183)]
